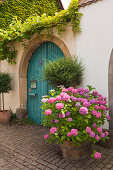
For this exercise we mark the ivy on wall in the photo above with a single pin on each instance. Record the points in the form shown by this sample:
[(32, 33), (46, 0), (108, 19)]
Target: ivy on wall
[(25, 8), (35, 24)]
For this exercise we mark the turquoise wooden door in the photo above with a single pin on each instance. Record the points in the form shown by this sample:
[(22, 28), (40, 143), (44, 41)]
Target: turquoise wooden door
[(36, 88)]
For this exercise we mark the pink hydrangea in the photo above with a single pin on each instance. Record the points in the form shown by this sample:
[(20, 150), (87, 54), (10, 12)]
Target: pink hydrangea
[(98, 115), (44, 100), (48, 112), (56, 121), (94, 125), (97, 107), (66, 97), (86, 90), (94, 112), (86, 104), (58, 98), (88, 129), (74, 91), (102, 107), (70, 119), (83, 110), (102, 135), (68, 114), (84, 100), (53, 130), (92, 101), (46, 136), (61, 115), (92, 134), (104, 102), (70, 88), (51, 100), (106, 133), (77, 105), (74, 132), (108, 117), (80, 99), (94, 93), (59, 106), (82, 93), (97, 137), (69, 134), (64, 90), (97, 155), (86, 95), (74, 99), (62, 94), (100, 98), (99, 129)]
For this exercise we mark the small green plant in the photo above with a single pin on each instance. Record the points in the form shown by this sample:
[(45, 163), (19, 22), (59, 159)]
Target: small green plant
[(62, 71), (26, 121), (5, 85)]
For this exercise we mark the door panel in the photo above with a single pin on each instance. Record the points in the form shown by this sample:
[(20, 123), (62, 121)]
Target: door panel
[(46, 51)]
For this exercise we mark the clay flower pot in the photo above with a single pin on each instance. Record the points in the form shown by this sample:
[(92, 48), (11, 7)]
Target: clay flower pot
[(76, 152), (5, 116)]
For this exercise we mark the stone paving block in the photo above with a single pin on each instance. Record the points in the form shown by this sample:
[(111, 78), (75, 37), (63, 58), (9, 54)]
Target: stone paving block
[(42, 162), (52, 166), (108, 166), (40, 166)]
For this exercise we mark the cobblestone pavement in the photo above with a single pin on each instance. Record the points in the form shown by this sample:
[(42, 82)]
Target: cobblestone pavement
[(23, 148)]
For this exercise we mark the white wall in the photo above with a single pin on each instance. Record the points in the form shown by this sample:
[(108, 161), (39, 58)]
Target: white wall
[(95, 42)]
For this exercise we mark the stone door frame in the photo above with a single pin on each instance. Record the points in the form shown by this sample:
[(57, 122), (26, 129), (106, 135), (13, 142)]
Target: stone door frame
[(31, 46)]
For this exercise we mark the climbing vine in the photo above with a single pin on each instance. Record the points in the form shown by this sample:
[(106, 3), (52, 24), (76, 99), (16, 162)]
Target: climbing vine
[(35, 24), (25, 8)]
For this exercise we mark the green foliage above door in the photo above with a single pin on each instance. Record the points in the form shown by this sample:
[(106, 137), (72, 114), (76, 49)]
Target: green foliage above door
[(25, 8)]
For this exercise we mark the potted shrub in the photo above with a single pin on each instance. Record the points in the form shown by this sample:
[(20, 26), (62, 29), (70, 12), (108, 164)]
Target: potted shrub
[(75, 117), (5, 87), (62, 71)]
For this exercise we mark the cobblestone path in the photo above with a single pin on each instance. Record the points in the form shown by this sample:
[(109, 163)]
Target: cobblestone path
[(23, 148)]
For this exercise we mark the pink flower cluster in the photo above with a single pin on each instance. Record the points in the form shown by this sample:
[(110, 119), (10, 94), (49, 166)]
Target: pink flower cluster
[(46, 136), (97, 155), (53, 130), (83, 110), (48, 112), (73, 132), (59, 106)]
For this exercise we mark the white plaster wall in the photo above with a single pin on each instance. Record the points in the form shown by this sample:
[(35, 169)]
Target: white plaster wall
[(95, 42), (12, 99)]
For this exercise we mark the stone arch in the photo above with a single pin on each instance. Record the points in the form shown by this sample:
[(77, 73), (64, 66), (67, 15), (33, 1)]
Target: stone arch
[(110, 89), (31, 46)]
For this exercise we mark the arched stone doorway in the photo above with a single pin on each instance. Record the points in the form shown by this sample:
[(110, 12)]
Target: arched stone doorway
[(32, 45)]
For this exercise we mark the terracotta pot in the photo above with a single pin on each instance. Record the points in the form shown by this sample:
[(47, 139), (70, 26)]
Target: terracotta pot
[(75, 152), (5, 116)]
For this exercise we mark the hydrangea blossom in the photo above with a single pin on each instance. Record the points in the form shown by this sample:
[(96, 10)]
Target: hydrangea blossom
[(70, 119), (74, 132), (68, 114), (88, 129), (48, 112), (46, 136), (53, 130), (83, 110), (59, 106), (99, 129), (97, 155)]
